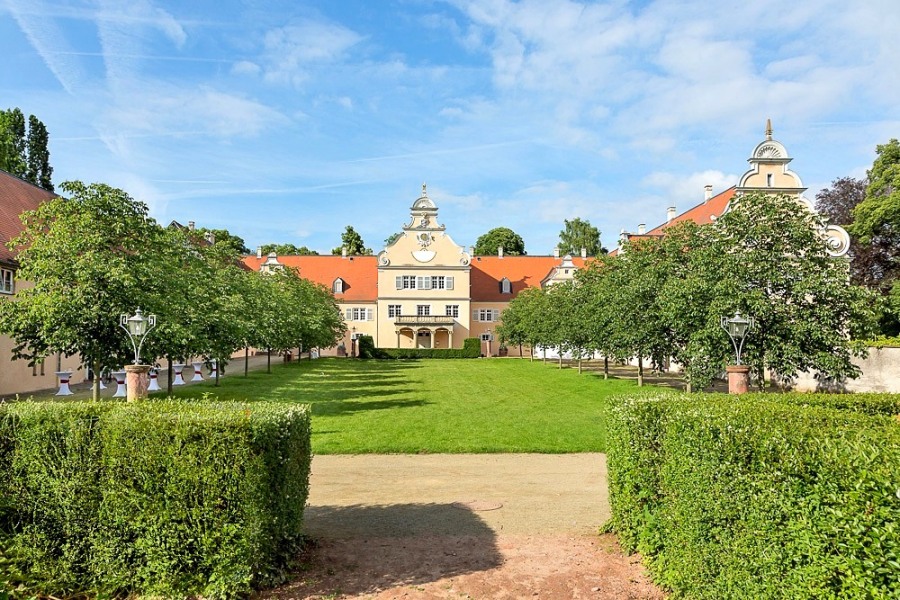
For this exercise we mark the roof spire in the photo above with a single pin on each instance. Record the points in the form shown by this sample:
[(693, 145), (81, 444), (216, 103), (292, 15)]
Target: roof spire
[(424, 193), (768, 129)]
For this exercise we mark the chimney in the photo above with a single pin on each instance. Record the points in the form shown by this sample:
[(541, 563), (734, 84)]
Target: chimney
[(556, 252), (500, 251), (259, 252), (191, 225), (583, 252), (707, 192), (642, 229), (670, 214), (210, 238), (471, 250), (343, 251)]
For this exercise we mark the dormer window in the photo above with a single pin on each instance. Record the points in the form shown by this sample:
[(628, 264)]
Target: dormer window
[(338, 286), (505, 286)]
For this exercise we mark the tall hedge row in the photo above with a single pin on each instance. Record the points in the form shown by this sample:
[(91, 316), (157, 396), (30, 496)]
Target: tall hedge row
[(760, 497), (163, 498)]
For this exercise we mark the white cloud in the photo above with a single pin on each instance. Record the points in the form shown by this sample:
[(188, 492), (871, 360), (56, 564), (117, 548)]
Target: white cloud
[(683, 192), (245, 67), (291, 50)]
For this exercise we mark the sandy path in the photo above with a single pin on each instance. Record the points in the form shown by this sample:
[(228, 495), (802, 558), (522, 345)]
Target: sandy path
[(463, 526)]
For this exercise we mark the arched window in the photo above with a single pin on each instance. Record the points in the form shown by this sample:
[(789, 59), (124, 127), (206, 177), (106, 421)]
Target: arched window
[(505, 286), (338, 286)]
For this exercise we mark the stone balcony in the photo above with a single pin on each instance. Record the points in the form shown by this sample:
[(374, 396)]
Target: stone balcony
[(425, 320)]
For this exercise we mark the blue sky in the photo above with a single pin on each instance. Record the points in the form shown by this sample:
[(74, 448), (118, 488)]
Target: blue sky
[(287, 121)]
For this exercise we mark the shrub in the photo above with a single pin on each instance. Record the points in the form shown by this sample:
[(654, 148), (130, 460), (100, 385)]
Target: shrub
[(759, 497), (471, 349), (160, 498)]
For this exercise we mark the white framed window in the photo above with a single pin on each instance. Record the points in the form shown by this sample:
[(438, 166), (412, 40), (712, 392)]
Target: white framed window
[(486, 315), (423, 310), (424, 282), (358, 314), (7, 281), (505, 286), (338, 286), (487, 337), (452, 310), (406, 282), (769, 179), (393, 310)]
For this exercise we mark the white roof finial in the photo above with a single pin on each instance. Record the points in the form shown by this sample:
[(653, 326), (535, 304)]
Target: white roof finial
[(768, 129), (424, 193)]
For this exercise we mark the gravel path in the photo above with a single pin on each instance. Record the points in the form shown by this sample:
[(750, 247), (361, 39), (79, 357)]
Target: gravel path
[(463, 526)]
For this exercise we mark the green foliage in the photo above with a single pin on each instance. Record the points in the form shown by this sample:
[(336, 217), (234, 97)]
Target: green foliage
[(230, 243), (365, 347), (159, 498), (287, 250), (471, 349), (353, 243), (511, 242), (879, 213), (23, 152), (763, 496), (580, 234), (391, 239)]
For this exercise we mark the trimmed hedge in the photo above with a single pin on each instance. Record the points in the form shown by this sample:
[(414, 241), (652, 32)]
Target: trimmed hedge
[(160, 498), (471, 349), (765, 496)]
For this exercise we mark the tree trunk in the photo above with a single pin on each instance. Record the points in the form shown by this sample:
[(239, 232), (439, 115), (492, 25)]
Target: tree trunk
[(605, 367), (560, 359), (640, 370), (521, 354), (95, 381), (246, 359), (268, 360), (579, 364), (219, 365), (169, 376)]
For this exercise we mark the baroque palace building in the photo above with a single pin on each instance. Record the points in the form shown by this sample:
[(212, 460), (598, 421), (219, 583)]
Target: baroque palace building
[(424, 290)]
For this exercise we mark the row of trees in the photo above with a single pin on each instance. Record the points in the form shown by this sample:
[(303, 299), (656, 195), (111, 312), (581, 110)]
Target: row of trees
[(23, 148), (97, 254), (663, 298), (577, 234)]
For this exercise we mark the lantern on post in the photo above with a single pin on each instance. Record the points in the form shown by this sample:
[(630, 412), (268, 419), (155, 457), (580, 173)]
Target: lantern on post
[(137, 327), (737, 328)]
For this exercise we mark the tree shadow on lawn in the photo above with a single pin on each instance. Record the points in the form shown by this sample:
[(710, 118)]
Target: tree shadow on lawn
[(341, 407), (363, 549)]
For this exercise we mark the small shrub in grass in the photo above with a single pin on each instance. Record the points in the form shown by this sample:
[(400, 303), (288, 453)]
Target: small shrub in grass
[(759, 497), (158, 498)]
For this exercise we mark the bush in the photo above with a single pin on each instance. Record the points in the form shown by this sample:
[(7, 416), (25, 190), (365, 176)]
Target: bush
[(160, 498), (471, 349), (759, 497)]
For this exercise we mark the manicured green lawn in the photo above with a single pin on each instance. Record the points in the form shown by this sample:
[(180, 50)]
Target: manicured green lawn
[(431, 406)]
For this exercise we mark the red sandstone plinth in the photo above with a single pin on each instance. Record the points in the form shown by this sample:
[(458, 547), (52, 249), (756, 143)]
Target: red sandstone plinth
[(738, 379), (137, 381)]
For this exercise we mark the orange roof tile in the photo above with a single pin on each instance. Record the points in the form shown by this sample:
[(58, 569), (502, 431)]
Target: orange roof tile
[(16, 196), (701, 213), (522, 271), (360, 273)]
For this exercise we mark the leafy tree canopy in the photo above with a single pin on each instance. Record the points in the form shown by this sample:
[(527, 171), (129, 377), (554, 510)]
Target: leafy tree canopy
[(580, 234), (24, 151), (391, 239), (879, 213), (511, 242), (226, 240), (353, 242), (287, 250)]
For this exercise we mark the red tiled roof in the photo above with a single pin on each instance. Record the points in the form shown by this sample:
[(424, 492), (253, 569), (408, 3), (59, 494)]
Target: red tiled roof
[(360, 273), (701, 213), (16, 196), (522, 271)]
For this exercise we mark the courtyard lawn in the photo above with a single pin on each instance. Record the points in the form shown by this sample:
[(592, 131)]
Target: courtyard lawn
[(435, 406)]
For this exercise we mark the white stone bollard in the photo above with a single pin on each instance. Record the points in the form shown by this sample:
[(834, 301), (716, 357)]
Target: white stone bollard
[(64, 377), (121, 390), (198, 373), (154, 381), (177, 369)]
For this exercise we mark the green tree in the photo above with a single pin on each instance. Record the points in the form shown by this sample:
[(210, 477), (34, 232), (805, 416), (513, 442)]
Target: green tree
[(89, 259), (13, 154), (580, 234), (353, 242), (391, 239), (287, 250), (500, 237), (523, 320), (226, 240), (38, 170)]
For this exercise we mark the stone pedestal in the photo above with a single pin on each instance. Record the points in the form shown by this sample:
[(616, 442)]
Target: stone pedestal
[(198, 371), (738, 379), (177, 369), (138, 381)]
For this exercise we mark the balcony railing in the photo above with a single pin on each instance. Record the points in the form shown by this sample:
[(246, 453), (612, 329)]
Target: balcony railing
[(424, 320)]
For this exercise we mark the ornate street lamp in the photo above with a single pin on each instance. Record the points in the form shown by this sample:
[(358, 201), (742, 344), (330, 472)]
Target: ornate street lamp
[(137, 327), (737, 328)]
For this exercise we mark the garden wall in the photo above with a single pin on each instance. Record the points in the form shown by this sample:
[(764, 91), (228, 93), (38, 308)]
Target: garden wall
[(880, 373)]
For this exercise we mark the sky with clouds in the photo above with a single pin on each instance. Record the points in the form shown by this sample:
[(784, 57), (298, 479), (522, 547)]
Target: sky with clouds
[(287, 121)]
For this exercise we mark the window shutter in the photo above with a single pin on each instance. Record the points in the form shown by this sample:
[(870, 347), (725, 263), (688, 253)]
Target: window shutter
[(399, 281), (448, 283), (474, 315), (370, 314), (496, 315), (348, 315)]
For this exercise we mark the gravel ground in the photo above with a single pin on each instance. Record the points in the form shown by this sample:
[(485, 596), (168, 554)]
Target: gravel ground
[(463, 526)]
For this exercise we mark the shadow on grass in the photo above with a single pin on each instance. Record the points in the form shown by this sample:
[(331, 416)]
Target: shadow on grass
[(364, 549), (340, 407)]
